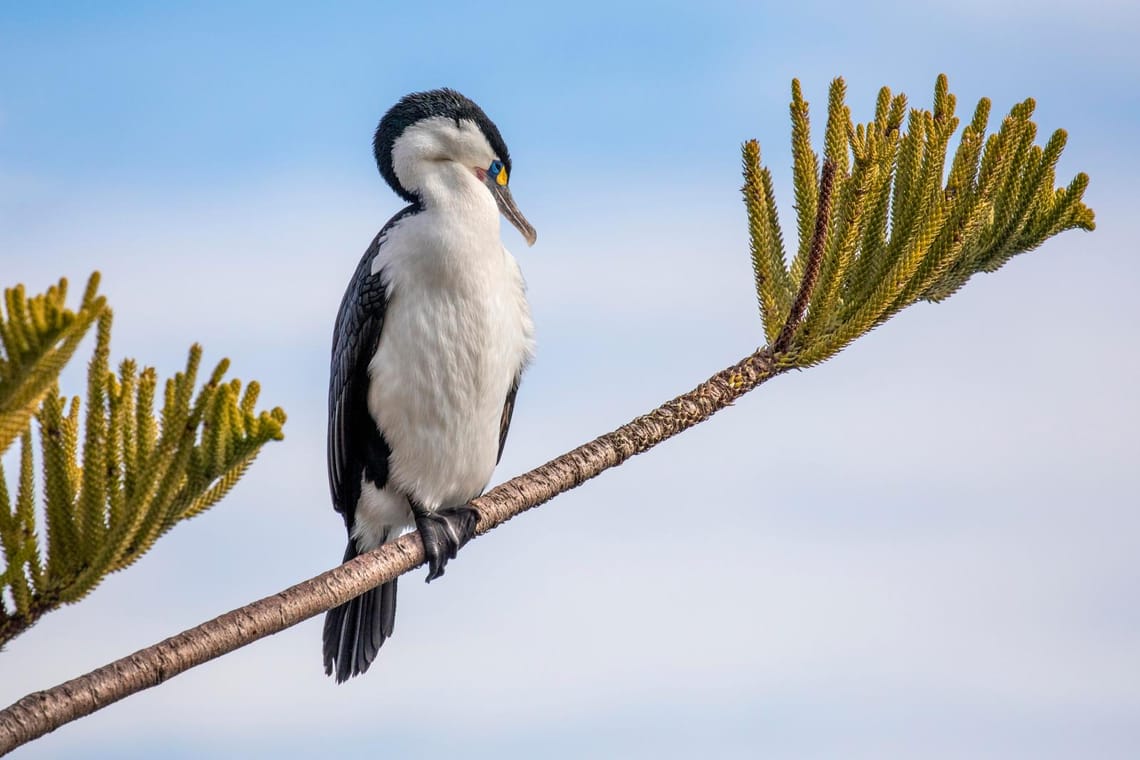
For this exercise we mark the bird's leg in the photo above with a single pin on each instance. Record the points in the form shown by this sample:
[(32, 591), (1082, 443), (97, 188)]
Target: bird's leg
[(443, 533)]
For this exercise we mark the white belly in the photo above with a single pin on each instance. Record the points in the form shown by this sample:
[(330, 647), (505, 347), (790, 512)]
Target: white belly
[(453, 341)]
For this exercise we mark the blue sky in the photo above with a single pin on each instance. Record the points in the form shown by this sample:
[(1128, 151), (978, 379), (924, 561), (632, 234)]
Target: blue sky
[(925, 547)]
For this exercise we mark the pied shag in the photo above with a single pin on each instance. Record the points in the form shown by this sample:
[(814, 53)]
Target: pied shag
[(429, 345)]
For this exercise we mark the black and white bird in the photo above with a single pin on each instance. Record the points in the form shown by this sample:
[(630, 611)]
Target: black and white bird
[(429, 345)]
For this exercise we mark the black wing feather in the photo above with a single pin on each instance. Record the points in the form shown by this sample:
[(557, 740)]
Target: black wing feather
[(354, 631), (508, 412), (355, 445)]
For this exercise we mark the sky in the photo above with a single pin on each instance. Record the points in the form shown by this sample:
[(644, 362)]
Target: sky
[(925, 547)]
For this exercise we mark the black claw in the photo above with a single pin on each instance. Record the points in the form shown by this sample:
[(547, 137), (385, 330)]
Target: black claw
[(443, 533), (433, 533), (461, 522)]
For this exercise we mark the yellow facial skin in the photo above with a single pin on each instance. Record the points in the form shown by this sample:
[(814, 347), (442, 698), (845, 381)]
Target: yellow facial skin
[(498, 173)]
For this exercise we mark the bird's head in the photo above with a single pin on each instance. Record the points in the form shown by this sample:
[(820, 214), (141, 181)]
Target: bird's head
[(433, 143)]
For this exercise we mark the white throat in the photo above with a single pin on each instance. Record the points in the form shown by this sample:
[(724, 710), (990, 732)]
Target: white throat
[(435, 159)]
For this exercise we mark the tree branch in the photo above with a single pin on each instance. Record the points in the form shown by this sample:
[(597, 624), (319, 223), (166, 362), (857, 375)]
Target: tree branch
[(44, 711), (815, 259)]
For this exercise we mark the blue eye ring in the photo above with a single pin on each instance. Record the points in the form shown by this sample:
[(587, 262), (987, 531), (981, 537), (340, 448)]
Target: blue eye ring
[(495, 168)]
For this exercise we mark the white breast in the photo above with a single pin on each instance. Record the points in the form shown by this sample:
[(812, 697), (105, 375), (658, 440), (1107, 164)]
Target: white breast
[(457, 331)]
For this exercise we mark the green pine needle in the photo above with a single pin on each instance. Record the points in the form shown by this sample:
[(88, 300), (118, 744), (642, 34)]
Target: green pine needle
[(805, 171), (38, 335), (900, 227), (773, 285), (137, 473)]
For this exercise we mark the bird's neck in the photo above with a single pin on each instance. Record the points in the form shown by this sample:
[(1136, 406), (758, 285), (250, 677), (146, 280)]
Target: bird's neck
[(451, 191)]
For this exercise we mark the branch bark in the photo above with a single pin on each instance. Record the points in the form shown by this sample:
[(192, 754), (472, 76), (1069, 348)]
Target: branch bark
[(44, 711), (815, 259)]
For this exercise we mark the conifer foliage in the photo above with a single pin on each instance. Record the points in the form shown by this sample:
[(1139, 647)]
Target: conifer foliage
[(37, 338), (884, 223), (111, 485)]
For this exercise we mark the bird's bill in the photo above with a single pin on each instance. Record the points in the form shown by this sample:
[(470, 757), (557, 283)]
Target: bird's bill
[(507, 205)]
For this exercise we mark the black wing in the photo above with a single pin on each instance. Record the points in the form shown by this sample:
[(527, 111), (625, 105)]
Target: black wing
[(355, 445), (508, 412)]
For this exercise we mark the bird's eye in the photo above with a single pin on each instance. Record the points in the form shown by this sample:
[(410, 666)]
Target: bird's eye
[(498, 171)]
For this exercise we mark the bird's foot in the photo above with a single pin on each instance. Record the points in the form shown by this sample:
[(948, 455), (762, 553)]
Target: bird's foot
[(444, 532)]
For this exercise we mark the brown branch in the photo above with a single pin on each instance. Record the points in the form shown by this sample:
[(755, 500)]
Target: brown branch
[(815, 259), (44, 711)]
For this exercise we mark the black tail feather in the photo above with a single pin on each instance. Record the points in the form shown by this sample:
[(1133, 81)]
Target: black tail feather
[(387, 610), (354, 631)]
